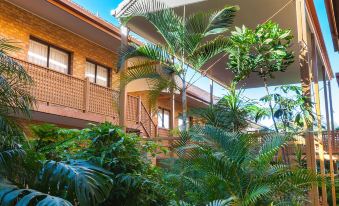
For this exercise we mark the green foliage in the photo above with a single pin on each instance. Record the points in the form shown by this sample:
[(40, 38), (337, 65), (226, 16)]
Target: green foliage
[(290, 108), (14, 95), (244, 173), (76, 179), (94, 166), (11, 195), (232, 112), (264, 51)]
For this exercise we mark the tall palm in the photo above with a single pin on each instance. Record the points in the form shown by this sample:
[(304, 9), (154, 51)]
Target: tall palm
[(187, 42), (15, 98)]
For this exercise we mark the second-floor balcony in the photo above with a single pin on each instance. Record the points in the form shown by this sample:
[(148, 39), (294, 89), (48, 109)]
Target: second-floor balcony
[(68, 96)]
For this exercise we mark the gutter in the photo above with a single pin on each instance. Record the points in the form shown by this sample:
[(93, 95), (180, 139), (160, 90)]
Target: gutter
[(333, 24), (314, 22)]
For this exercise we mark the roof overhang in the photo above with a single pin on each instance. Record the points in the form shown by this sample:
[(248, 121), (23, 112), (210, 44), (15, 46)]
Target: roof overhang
[(281, 11), (74, 18), (332, 7)]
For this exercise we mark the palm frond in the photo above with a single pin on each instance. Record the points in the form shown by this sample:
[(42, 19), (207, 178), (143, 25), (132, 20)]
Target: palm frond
[(163, 18), (157, 54), (139, 70), (9, 156), (205, 52), (272, 144), (7, 45), (90, 184), (15, 83), (211, 23), (220, 202), (11, 195), (256, 194)]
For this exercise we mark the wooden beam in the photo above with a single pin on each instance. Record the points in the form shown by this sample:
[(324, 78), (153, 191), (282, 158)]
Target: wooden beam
[(172, 114), (315, 76), (329, 139), (306, 89)]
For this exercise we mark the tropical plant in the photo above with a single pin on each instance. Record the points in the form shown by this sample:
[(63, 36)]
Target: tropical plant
[(15, 98), (232, 112), (94, 166), (289, 108), (237, 168), (11, 195), (264, 50), (187, 42)]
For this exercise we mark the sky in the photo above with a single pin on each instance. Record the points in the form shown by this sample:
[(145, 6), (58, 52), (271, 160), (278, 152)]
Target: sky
[(103, 8)]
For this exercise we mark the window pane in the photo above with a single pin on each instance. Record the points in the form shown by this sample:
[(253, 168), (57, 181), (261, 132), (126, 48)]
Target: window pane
[(160, 117), (90, 71), (58, 60), (37, 53), (102, 74), (166, 119)]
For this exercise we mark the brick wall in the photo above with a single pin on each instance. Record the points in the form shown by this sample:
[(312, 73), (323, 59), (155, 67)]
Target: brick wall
[(18, 25)]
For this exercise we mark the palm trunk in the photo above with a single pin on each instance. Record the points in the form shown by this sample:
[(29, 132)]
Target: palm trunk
[(184, 87), (184, 104)]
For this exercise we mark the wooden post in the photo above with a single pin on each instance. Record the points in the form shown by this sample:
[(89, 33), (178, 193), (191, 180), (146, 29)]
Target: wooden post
[(86, 94), (306, 89), (139, 110), (315, 76), (172, 114), (329, 139), (123, 94), (332, 118)]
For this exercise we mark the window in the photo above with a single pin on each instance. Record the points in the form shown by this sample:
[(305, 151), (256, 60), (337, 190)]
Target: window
[(46, 55), (97, 74), (163, 118)]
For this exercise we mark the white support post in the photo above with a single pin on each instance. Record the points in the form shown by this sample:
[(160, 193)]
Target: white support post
[(123, 93)]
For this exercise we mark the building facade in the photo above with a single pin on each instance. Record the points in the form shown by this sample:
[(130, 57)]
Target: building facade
[(71, 56)]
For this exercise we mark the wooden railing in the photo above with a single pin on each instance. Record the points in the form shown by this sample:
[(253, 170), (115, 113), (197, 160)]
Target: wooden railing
[(334, 142), (65, 90), (146, 121)]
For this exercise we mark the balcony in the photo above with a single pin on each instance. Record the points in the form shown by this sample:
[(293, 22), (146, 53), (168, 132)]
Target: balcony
[(68, 96)]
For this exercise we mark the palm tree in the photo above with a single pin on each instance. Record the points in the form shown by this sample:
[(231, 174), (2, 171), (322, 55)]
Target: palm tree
[(15, 98), (187, 42), (237, 168)]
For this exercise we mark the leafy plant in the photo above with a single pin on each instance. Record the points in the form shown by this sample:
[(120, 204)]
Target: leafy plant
[(14, 92), (264, 51), (187, 42), (11, 195), (94, 166), (80, 180), (244, 173), (289, 108), (232, 112)]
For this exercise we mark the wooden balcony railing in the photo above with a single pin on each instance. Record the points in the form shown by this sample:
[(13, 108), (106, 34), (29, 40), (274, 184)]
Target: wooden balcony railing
[(65, 90), (334, 142)]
